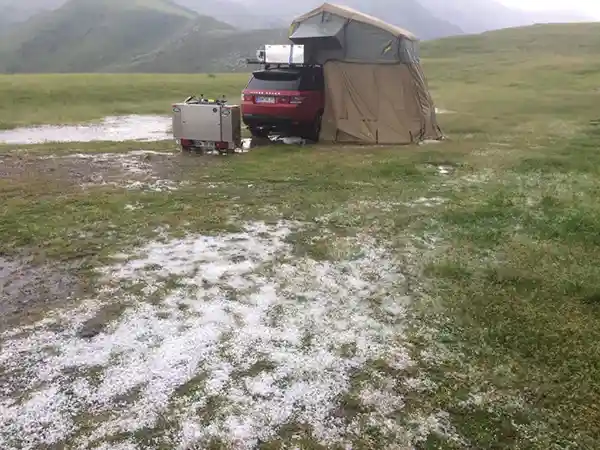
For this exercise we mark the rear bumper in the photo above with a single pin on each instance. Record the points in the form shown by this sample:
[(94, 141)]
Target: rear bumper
[(275, 122)]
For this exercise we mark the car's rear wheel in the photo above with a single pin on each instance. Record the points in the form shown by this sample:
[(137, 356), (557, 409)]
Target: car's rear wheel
[(258, 132), (314, 129)]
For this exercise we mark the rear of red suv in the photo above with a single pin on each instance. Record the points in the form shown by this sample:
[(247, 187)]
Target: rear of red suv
[(286, 100)]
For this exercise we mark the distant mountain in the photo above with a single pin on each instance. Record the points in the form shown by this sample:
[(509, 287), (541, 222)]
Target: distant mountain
[(519, 44), (85, 35), (197, 35), (426, 18), (235, 13), (408, 14), (121, 36), (559, 17), (476, 16), (21, 10), (217, 52)]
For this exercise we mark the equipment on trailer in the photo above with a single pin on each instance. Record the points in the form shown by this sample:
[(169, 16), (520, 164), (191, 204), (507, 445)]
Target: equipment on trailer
[(289, 54), (205, 124)]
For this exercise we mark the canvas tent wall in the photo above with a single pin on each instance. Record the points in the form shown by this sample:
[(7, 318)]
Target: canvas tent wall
[(375, 87)]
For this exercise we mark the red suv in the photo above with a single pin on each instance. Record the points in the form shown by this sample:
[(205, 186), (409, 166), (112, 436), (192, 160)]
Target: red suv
[(288, 100)]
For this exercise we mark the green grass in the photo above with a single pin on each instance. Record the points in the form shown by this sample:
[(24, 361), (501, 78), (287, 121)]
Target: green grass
[(513, 285), (59, 99)]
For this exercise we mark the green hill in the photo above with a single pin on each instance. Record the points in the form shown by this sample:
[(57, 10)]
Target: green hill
[(119, 36), (552, 39), (198, 51), (84, 35), (509, 57)]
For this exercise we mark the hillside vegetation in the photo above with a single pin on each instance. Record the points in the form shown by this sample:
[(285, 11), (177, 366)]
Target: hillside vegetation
[(85, 35), (574, 40), (117, 36)]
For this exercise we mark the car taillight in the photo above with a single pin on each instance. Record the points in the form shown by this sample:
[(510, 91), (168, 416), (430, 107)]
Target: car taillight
[(297, 100), (284, 99), (247, 97)]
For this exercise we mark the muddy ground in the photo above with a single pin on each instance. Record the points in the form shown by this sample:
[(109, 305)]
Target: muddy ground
[(28, 288), (29, 285), (84, 169)]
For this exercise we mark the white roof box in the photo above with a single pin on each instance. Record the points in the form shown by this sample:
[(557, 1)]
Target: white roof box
[(284, 54)]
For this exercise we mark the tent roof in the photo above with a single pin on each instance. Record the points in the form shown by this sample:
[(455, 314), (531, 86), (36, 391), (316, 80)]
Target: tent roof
[(352, 14)]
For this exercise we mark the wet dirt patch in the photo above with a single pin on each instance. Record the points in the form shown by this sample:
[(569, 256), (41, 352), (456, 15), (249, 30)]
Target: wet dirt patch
[(116, 129), (27, 289), (138, 169)]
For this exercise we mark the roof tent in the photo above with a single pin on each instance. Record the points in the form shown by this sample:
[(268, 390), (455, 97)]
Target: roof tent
[(376, 91)]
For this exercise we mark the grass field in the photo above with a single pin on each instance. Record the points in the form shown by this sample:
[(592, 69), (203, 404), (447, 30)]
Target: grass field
[(61, 99), (443, 296)]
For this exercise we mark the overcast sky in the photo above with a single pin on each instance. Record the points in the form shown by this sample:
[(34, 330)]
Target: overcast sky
[(591, 7)]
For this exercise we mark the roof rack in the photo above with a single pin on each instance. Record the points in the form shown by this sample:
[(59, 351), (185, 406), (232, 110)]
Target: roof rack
[(262, 63), (268, 66)]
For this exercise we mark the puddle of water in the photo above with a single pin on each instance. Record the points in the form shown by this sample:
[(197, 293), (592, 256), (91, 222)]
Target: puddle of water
[(114, 128), (117, 129)]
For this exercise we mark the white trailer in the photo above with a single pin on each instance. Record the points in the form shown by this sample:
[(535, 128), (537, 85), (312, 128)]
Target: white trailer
[(207, 125)]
